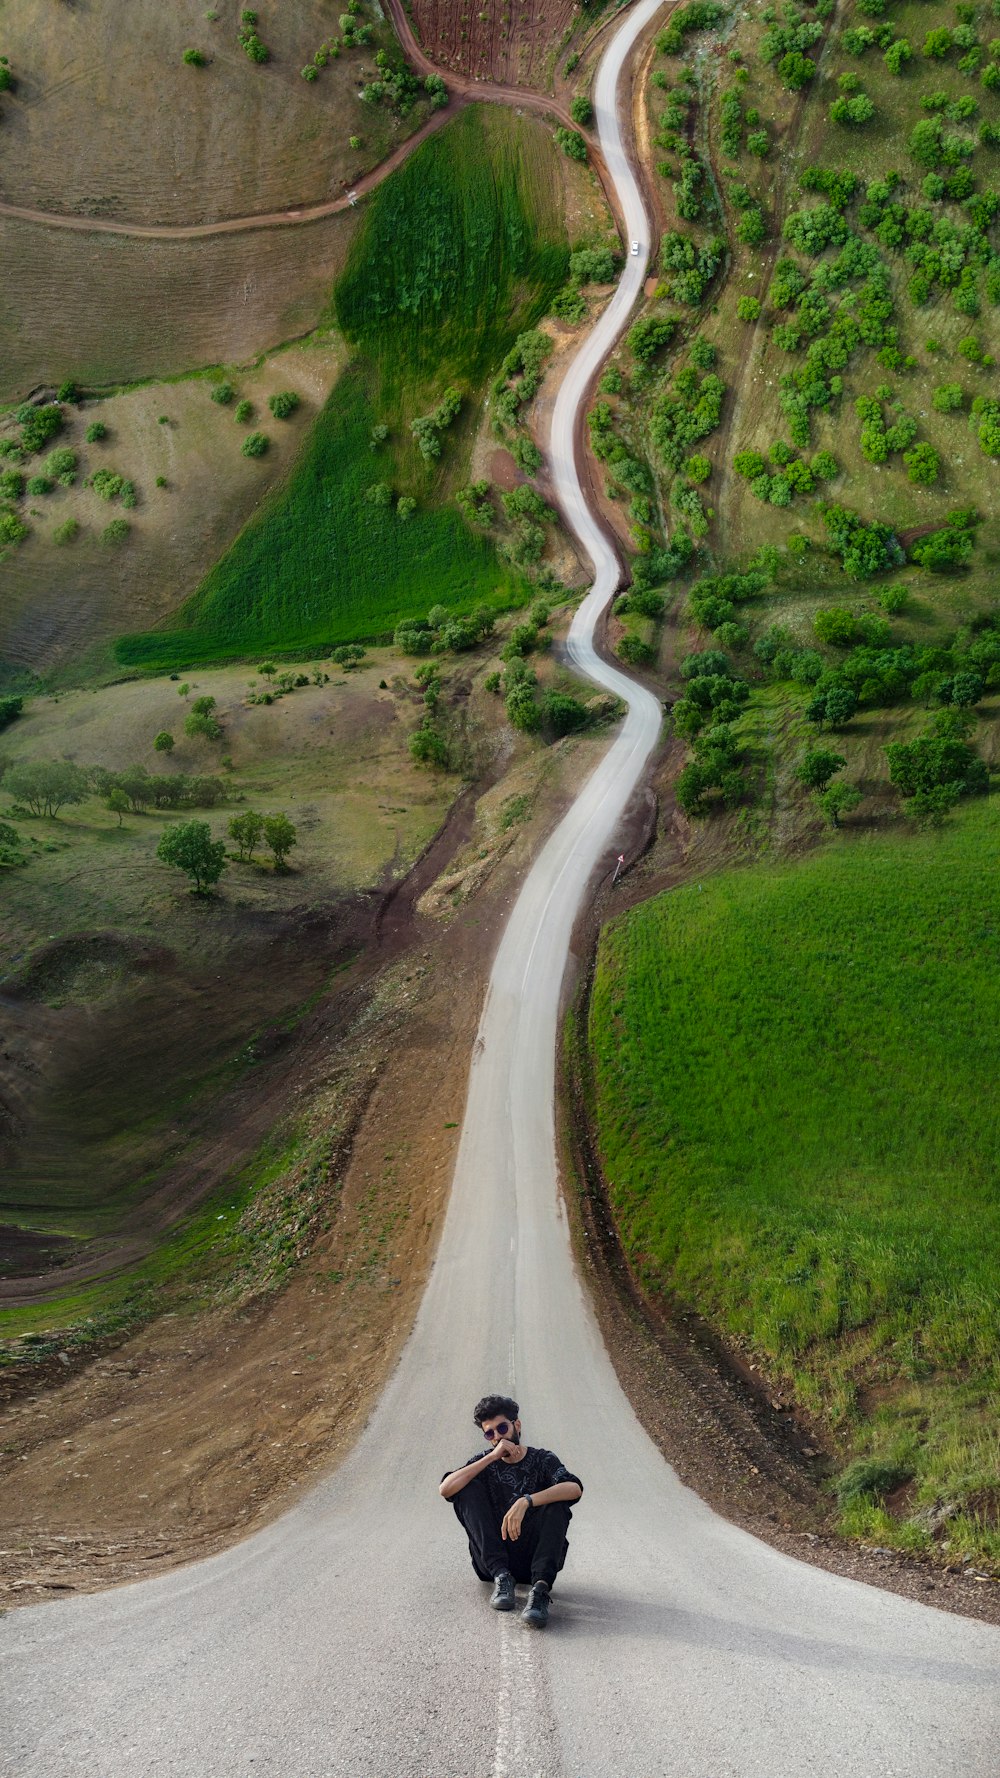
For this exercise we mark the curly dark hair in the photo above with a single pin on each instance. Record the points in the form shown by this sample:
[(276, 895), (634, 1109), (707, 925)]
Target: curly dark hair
[(491, 1405)]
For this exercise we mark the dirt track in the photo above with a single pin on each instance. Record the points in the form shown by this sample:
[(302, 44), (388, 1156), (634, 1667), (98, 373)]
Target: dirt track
[(462, 90)]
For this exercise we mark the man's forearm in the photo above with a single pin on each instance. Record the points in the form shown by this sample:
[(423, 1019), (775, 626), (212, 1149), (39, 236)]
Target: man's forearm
[(460, 1478), (559, 1491)]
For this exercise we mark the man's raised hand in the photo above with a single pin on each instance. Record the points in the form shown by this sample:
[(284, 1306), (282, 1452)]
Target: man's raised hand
[(507, 1447)]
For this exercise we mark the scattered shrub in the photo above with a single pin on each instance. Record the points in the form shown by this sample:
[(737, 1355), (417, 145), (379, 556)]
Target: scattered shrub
[(571, 143), (284, 404)]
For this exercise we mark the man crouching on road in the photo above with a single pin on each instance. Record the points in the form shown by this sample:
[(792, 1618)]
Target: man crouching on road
[(514, 1503)]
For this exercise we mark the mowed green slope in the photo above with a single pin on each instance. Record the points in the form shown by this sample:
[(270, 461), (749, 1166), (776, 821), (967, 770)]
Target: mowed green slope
[(795, 1073), (459, 251)]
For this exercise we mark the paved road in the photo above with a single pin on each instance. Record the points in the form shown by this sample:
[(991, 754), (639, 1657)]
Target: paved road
[(351, 1640)]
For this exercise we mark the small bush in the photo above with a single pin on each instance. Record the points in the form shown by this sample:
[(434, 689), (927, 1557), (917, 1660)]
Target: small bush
[(95, 432), (870, 1478), (582, 111), (255, 444), (194, 58), (748, 308), (116, 532), (67, 532), (572, 143), (243, 412), (283, 404), (223, 393)]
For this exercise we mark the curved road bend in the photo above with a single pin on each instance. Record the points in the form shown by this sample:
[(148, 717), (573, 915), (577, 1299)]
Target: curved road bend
[(351, 1640)]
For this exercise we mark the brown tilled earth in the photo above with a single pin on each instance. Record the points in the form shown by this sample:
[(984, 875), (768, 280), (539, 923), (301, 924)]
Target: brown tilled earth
[(515, 45)]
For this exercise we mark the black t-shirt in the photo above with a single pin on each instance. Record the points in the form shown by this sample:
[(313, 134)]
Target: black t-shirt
[(537, 1469)]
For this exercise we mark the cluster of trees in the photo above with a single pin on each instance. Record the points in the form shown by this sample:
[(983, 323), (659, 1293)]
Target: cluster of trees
[(188, 845), (398, 87), (529, 515), (249, 39), (428, 428), (628, 470), (878, 440), (933, 772), (865, 549), (39, 424), (697, 15), (784, 43), (688, 410), (430, 742), (442, 631), (713, 701), (572, 143), (949, 549), (689, 268), (553, 713), (519, 378), (476, 503), (817, 770), (788, 476), (109, 485)]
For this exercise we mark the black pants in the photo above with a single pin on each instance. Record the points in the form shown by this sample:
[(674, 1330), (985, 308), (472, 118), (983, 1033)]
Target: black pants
[(539, 1552)]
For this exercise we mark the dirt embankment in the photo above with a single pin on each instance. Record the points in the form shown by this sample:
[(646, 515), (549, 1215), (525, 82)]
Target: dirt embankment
[(174, 1441)]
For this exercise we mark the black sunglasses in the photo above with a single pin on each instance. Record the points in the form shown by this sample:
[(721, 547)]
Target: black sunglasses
[(502, 1428)]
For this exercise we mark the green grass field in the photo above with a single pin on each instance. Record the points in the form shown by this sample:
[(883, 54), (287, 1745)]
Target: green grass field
[(794, 1074), (459, 252)]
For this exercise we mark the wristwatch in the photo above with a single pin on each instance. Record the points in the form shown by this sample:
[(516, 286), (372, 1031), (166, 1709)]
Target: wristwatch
[(528, 1501)]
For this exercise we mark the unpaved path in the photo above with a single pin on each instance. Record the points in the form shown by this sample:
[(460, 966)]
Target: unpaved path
[(462, 91)]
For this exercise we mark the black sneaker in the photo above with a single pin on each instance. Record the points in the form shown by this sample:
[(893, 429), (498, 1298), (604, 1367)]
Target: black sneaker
[(537, 1609), (503, 1593)]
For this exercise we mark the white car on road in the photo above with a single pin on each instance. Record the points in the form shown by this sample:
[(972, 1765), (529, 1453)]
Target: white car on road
[(635, 247)]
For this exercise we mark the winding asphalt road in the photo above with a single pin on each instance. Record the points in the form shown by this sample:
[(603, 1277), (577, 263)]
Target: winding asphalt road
[(351, 1640)]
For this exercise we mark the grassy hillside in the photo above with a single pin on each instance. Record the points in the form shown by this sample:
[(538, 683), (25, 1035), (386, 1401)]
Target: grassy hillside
[(130, 1006), (821, 258), (792, 1067), (64, 600), (459, 251)]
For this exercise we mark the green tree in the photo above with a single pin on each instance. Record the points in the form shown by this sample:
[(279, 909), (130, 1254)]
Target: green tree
[(247, 830), (837, 800), (46, 785), (118, 802), (199, 723), (582, 111), (194, 58), (818, 766), (164, 741), (189, 846), (283, 404), (255, 444), (572, 143), (280, 837)]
